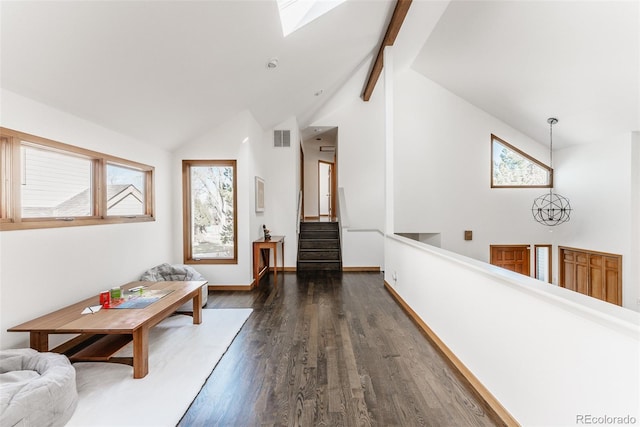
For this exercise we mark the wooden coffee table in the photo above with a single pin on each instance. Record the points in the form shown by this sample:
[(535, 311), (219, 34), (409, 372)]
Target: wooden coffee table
[(105, 332)]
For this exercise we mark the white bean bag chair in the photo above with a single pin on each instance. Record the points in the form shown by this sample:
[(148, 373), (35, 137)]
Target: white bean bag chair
[(176, 272), (36, 389)]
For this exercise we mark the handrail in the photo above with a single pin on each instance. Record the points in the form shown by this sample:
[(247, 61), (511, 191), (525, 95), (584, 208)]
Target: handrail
[(299, 213), (342, 211)]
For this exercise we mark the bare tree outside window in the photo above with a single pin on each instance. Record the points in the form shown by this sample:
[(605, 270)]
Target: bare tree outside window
[(511, 167), (210, 199)]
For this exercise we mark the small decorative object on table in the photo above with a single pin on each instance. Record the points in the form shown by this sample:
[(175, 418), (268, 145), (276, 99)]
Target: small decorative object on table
[(267, 236)]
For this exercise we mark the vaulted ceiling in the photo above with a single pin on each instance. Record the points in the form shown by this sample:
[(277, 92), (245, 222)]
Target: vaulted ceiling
[(168, 71), (525, 61)]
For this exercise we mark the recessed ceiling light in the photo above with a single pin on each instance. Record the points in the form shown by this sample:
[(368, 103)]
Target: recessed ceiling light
[(273, 63)]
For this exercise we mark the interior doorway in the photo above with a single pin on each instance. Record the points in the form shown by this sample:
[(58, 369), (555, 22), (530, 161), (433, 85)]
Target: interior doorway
[(319, 168), (511, 257), (325, 190)]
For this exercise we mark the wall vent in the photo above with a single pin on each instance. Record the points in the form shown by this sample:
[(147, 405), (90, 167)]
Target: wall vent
[(282, 138)]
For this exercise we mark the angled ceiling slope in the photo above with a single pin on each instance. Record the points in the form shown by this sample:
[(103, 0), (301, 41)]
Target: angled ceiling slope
[(526, 61), (166, 72)]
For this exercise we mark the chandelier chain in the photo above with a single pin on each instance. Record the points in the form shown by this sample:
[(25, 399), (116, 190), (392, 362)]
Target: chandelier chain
[(552, 208)]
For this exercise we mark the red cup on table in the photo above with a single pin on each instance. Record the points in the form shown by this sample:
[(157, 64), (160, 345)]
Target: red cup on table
[(105, 299)]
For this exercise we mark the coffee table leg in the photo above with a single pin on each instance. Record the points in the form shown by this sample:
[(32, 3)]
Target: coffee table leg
[(197, 308), (39, 341), (140, 352)]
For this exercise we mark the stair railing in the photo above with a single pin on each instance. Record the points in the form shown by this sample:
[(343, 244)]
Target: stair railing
[(299, 213)]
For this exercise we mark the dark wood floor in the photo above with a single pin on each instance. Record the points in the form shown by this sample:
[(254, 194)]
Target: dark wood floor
[(331, 350)]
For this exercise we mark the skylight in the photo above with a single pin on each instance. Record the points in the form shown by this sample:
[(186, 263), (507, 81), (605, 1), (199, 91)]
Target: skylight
[(295, 14)]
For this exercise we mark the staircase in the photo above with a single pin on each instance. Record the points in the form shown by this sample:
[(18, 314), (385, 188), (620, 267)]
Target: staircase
[(319, 247)]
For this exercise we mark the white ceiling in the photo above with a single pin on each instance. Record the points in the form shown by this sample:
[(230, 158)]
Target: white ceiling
[(168, 71), (525, 61)]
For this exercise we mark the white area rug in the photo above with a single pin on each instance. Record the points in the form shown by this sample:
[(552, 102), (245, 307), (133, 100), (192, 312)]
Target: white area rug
[(181, 357)]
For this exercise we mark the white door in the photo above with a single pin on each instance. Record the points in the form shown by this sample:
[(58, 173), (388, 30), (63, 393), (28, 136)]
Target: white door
[(324, 188)]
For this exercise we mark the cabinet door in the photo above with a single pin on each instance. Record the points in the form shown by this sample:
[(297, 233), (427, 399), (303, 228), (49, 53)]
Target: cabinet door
[(612, 283), (582, 273), (568, 270), (575, 271), (596, 278), (511, 257), (596, 274)]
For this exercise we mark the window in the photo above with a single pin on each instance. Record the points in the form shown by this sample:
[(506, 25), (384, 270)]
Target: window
[(543, 262), (49, 184), (125, 190), (55, 184), (209, 206), (511, 167), (295, 14)]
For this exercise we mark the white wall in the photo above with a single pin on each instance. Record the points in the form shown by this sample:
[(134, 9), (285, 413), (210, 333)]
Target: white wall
[(442, 172), (256, 156), (282, 185), (360, 165), (598, 180), (442, 182), (360, 154), (365, 248), (545, 353), (47, 269), (226, 142), (635, 220)]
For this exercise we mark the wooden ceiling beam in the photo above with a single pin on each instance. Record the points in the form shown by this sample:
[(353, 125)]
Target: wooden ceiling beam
[(399, 13)]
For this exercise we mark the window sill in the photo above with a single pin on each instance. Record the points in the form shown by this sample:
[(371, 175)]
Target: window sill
[(8, 225)]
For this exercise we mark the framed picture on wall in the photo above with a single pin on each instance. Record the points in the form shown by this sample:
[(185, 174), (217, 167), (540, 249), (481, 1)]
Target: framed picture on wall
[(259, 194)]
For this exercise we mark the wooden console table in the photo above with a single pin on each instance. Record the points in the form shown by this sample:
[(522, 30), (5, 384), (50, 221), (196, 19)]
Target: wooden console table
[(106, 331), (261, 252)]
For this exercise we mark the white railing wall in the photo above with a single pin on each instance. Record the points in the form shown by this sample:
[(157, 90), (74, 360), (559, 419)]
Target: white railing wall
[(361, 247), (548, 355)]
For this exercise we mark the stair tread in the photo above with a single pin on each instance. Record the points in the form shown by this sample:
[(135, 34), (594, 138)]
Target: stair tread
[(320, 249), (319, 246)]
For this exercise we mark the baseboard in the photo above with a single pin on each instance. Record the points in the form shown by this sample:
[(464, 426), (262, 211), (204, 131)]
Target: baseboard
[(286, 269), (482, 391), (362, 269), (231, 287)]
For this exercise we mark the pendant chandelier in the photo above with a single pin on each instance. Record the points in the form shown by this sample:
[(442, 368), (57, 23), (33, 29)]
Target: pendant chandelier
[(551, 208)]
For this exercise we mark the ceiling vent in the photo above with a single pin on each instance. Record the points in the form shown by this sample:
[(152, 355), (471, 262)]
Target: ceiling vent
[(282, 138)]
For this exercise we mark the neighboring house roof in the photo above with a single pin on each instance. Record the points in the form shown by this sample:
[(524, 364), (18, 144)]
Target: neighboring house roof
[(78, 205), (117, 193)]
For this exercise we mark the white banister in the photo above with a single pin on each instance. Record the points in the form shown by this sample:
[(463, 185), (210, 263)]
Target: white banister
[(547, 354)]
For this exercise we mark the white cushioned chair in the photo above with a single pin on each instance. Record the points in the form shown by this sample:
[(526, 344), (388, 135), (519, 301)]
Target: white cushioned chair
[(36, 389), (179, 272)]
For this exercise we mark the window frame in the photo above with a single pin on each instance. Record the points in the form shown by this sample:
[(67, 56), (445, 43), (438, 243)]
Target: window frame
[(526, 156), (11, 218), (148, 187), (186, 211), (549, 261)]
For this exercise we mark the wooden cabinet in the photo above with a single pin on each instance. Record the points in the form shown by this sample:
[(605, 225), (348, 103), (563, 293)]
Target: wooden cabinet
[(511, 257), (596, 274)]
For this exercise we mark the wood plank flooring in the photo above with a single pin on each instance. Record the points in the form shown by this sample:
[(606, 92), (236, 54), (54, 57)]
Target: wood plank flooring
[(331, 349)]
